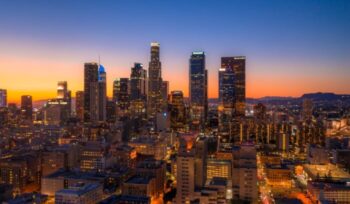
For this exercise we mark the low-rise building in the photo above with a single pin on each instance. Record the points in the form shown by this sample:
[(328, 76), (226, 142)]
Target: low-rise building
[(80, 193)]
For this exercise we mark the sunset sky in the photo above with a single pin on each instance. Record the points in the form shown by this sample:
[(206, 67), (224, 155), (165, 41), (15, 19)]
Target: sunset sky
[(292, 47)]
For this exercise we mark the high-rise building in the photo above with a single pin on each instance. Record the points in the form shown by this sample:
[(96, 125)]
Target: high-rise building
[(232, 83), (198, 89), (177, 110), (79, 104), (62, 90), (244, 173), (27, 107), (3, 97), (121, 93), (138, 90), (64, 99), (201, 154), (231, 97), (102, 93), (90, 92), (185, 182), (155, 82)]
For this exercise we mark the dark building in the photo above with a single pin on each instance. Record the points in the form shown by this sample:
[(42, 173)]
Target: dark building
[(198, 89), (27, 107), (232, 83), (111, 111), (155, 82), (79, 105), (90, 92), (260, 111), (165, 93), (3, 98), (231, 97)]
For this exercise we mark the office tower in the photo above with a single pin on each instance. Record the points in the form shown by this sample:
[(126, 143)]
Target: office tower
[(27, 107), (201, 154), (185, 182), (121, 93), (138, 90), (102, 93), (79, 104), (165, 93), (3, 97), (198, 89), (235, 66), (231, 97), (62, 90), (90, 92), (155, 82), (63, 99), (244, 173), (177, 110)]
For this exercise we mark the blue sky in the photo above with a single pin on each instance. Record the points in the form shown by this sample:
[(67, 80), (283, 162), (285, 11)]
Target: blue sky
[(304, 42)]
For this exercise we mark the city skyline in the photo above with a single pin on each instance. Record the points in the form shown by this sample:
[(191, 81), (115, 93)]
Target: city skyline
[(302, 48)]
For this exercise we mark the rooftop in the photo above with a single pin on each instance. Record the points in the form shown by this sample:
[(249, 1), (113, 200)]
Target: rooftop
[(139, 180)]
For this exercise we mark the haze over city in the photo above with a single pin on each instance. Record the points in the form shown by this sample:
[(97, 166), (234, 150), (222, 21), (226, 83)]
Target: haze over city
[(292, 47)]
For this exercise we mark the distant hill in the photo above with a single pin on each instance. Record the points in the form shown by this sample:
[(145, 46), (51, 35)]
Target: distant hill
[(324, 96)]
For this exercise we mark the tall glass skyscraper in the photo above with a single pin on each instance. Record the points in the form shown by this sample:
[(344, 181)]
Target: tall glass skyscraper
[(138, 90), (91, 91), (198, 84), (232, 83), (121, 93), (27, 107), (231, 97), (155, 81)]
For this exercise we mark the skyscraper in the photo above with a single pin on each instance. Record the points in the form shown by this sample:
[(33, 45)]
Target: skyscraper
[(90, 92), (201, 154), (244, 173), (155, 82), (198, 89), (231, 98), (3, 97), (177, 110), (138, 89), (232, 83), (27, 107), (64, 99), (121, 93), (79, 104), (102, 93), (62, 90)]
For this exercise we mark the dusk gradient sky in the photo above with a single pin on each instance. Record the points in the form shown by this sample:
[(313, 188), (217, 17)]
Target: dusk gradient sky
[(292, 46)]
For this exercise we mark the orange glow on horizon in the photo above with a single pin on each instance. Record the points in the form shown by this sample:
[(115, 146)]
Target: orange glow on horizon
[(39, 79)]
